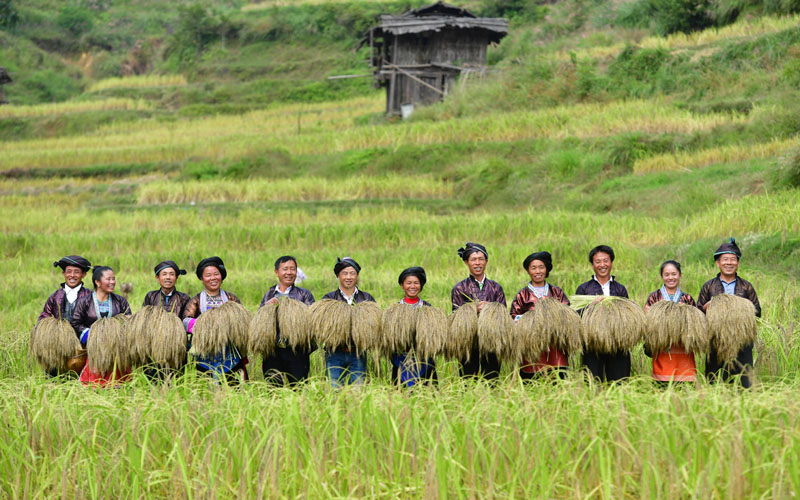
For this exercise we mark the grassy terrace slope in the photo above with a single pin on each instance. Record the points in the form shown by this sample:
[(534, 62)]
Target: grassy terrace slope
[(595, 129)]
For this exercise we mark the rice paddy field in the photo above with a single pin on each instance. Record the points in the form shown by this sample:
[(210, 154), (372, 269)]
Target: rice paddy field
[(664, 173)]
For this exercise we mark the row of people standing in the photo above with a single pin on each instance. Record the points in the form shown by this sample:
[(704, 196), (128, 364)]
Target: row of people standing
[(83, 307)]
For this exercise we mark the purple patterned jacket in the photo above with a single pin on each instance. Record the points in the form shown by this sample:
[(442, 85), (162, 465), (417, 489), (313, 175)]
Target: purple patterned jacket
[(56, 304), (468, 290)]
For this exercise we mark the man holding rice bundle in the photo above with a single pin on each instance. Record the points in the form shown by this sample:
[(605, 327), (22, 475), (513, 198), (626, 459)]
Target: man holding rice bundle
[(405, 368), (293, 364), (538, 266), (675, 364), (167, 274), (230, 363), (477, 288), (343, 365), (605, 366), (729, 282)]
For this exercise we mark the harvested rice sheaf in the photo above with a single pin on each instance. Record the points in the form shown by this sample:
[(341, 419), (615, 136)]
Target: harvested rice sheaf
[(365, 326), (462, 332), (140, 329), (294, 323), (210, 334), (399, 326), (560, 324), (496, 332), (732, 325), (665, 323), (264, 330), (613, 324), (53, 342), (107, 346), (238, 321), (330, 323), (431, 332), (696, 334), (167, 339), (530, 335)]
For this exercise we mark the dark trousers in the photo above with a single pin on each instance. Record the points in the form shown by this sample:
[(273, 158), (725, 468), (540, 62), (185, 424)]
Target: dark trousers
[(555, 373), (286, 367), (488, 366), (715, 370), (430, 375), (608, 367)]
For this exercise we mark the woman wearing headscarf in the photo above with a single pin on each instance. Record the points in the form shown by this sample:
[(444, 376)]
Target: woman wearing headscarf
[(345, 366), (538, 266), (406, 368), (675, 364), (102, 303), (62, 302), (477, 288), (167, 274), (603, 366), (287, 363), (211, 272), (728, 281)]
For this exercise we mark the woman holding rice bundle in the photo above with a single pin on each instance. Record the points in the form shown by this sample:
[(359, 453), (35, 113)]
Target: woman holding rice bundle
[(613, 366), (477, 288), (102, 303), (538, 266), (729, 282), (293, 364), (674, 364), (343, 365), (230, 363), (167, 274), (405, 368)]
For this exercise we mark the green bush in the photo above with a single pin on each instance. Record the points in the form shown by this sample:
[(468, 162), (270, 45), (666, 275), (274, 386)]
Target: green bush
[(75, 19), (8, 15), (671, 16)]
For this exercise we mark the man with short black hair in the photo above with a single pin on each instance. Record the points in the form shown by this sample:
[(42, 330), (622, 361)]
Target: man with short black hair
[(167, 274)]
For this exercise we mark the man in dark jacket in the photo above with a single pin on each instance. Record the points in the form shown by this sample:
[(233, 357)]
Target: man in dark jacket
[(167, 274), (61, 303), (728, 281), (605, 366)]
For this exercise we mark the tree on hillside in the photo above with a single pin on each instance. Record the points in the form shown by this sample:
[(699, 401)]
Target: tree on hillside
[(198, 27), (8, 14)]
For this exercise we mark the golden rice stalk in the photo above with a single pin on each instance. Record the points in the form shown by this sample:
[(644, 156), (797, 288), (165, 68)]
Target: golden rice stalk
[(462, 332), (399, 328), (264, 330), (107, 346), (293, 323), (695, 336), (496, 332), (531, 337), (732, 325), (665, 323), (167, 339), (238, 321), (431, 332), (140, 330), (210, 334), (578, 302), (53, 342), (365, 326), (560, 324), (330, 323), (613, 324)]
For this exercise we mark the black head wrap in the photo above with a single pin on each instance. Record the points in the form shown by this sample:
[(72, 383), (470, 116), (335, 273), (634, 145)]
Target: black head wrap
[(344, 263), (470, 248), (413, 271), (214, 262), (73, 260), (544, 257), (169, 263), (729, 247)]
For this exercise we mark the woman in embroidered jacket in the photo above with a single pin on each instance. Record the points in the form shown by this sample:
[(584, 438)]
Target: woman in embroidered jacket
[(231, 363), (405, 368), (676, 364), (538, 266), (102, 303)]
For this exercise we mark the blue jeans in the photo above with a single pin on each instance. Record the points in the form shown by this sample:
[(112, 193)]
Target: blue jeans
[(345, 368)]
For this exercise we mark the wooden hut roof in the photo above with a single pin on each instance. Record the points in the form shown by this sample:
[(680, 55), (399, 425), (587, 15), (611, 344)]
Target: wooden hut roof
[(4, 77)]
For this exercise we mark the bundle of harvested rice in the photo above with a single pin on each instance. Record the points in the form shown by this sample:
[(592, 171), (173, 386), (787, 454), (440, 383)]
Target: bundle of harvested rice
[(462, 332), (613, 324), (107, 346), (238, 320), (531, 336), (365, 326), (399, 326), (264, 330), (732, 325), (696, 335), (210, 334), (496, 332), (330, 323), (560, 324), (293, 323), (167, 339), (431, 332), (665, 322), (53, 343), (140, 329)]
